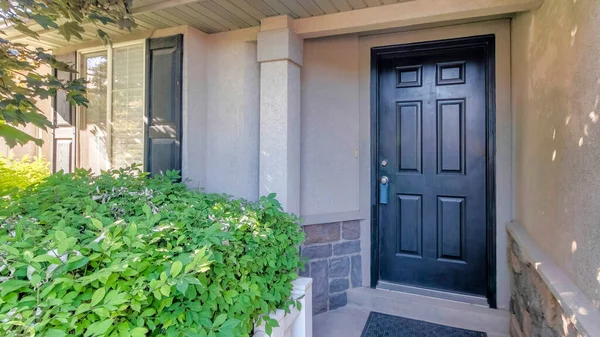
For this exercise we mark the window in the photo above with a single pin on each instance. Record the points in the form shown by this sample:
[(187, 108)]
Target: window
[(111, 128)]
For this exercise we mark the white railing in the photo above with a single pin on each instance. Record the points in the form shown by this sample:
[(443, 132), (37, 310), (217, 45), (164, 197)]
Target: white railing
[(298, 323)]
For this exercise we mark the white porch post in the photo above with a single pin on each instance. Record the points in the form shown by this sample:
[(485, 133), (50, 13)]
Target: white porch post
[(280, 57)]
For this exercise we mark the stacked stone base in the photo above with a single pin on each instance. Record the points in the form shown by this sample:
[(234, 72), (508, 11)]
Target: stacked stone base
[(334, 262), (534, 309)]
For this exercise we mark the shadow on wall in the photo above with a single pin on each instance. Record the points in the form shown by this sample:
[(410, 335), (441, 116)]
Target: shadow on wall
[(556, 88)]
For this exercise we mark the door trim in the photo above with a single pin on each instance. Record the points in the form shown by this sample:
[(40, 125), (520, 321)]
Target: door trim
[(488, 43)]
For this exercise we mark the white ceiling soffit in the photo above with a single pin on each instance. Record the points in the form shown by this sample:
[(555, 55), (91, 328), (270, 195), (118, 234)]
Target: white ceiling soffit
[(209, 16)]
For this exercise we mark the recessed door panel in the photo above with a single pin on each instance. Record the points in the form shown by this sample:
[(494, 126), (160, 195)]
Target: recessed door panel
[(409, 136), (451, 227), (409, 225), (450, 136)]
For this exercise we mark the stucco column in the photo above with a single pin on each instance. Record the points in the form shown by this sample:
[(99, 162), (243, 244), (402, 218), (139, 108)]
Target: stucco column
[(280, 56)]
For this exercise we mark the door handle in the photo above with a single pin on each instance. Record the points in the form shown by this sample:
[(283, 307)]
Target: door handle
[(384, 190)]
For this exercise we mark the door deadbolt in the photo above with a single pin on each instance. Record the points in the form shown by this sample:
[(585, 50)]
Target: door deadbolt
[(384, 191)]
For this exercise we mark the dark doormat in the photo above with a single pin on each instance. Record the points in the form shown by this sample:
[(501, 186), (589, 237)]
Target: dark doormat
[(382, 325)]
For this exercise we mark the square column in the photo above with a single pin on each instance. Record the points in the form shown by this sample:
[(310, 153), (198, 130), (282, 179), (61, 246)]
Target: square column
[(280, 56)]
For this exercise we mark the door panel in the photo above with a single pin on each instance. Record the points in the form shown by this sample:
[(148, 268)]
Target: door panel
[(432, 115), (63, 122)]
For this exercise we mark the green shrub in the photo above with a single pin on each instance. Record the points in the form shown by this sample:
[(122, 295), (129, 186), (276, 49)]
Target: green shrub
[(18, 174), (121, 254)]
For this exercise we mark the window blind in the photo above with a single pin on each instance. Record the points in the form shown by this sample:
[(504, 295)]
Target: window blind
[(127, 120)]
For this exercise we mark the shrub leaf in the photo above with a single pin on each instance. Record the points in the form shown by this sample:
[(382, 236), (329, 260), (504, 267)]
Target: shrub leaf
[(98, 296), (176, 268)]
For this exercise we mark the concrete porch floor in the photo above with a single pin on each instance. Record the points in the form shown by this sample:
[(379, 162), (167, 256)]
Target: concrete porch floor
[(349, 321)]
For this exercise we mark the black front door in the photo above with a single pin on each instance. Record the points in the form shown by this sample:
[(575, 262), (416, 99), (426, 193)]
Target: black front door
[(432, 148)]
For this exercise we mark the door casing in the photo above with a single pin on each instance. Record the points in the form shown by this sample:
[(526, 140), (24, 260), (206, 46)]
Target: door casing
[(488, 42)]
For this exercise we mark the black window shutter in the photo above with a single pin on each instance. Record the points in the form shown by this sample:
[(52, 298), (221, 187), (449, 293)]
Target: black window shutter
[(63, 122), (164, 61)]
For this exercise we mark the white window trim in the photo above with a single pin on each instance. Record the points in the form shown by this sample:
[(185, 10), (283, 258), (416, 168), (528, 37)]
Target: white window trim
[(78, 110)]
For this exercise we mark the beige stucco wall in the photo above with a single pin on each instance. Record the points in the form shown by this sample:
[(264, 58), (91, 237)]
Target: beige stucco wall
[(556, 102), (232, 119), (220, 111), (221, 120), (329, 130), (193, 161), (230, 130)]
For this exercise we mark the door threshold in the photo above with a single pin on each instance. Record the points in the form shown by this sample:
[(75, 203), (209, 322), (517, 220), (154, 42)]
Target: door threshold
[(469, 299)]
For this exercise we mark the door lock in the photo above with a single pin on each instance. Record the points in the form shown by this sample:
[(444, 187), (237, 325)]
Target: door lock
[(384, 190)]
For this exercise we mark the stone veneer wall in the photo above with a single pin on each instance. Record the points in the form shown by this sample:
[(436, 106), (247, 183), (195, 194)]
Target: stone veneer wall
[(534, 309), (333, 253)]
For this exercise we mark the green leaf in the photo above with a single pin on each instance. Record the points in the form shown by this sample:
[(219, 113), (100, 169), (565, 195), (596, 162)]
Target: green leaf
[(45, 21), (230, 324), (123, 329), (28, 255), (98, 296), (104, 19), (148, 312), (70, 29), (182, 286), (47, 258), (11, 250), (82, 308), (60, 236), (176, 268), (13, 136), (139, 332), (98, 328), (55, 333), (25, 30), (66, 244), (35, 280), (97, 224), (77, 263), (115, 298), (165, 290), (268, 329), (102, 312), (147, 210), (12, 285), (104, 37), (219, 320)]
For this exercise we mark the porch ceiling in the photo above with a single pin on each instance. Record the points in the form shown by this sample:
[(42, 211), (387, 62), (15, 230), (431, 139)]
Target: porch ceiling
[(209, 16)]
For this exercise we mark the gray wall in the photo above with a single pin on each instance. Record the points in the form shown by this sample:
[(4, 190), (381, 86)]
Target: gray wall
[(229, 130), (232, 115), (556, 101), (194, 107), (330, 138), (221, 112)]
